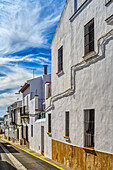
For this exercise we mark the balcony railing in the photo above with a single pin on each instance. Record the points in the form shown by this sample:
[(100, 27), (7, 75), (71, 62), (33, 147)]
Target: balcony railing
[(41, 115), (41, 104)]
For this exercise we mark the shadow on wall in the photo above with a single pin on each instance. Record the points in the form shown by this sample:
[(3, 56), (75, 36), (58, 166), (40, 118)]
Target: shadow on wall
[(88, 63)]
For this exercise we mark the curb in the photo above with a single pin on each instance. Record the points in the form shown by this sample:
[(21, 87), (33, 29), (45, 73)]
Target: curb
[(34, 155)]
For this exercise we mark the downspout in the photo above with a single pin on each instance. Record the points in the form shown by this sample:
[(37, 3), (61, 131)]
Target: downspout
[(83, 62)]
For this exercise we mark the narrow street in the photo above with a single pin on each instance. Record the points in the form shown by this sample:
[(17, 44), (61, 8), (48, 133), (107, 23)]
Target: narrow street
[(12, 158)]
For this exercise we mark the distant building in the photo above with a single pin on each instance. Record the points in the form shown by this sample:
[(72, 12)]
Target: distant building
[(33, 115), (12, 122)]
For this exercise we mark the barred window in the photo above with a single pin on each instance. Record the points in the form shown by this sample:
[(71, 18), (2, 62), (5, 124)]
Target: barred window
[(49, 123), (67, 124), (60, 59), (89, 127), (89, 37)]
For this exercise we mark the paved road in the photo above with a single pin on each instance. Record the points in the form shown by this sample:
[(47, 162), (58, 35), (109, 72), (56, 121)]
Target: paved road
[(12, 158)]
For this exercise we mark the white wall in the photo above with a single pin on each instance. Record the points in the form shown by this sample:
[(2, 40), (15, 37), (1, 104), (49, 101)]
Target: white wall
[(93, 82)]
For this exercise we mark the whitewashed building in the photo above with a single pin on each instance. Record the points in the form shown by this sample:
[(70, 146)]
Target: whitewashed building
[(33, 116), (80, 110), (13, 126)]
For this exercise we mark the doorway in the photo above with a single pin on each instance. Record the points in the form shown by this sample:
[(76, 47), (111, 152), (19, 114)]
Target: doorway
[(42, 140)]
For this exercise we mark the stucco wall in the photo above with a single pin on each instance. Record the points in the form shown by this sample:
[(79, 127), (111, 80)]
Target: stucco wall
[(93, 81)]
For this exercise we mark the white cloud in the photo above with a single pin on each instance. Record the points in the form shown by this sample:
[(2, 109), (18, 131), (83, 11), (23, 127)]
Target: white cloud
[(23, 24)]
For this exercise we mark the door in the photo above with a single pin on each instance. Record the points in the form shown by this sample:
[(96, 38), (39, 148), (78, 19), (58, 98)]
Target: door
[(18, 133), (42, 140), (26, 132)]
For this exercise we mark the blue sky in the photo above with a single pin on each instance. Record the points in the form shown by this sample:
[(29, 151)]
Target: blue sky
[(26, 31)]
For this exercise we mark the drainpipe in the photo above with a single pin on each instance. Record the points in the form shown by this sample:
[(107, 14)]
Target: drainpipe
[(82, 63)]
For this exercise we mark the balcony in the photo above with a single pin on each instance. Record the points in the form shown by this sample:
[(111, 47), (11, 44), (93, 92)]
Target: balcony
[(40, 116)]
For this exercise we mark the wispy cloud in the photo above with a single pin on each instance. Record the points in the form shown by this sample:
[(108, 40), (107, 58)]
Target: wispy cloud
[(26, 30), (25, 23)]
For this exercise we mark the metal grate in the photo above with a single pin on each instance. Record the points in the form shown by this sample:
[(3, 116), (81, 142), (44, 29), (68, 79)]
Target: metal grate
[(89, 37), (89, 127)]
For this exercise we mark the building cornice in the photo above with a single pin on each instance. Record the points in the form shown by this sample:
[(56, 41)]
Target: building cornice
[(26, 85)]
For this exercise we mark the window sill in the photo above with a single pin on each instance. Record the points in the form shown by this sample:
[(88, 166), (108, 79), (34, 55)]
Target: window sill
[(88, 55), (49, 133), (88, 148), (59, 73), (66, 137)]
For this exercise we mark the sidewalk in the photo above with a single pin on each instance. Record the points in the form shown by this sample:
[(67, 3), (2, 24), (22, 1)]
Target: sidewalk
[(37, 155)]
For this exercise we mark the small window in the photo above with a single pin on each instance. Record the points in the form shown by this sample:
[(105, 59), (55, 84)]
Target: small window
[(31, 96), (89, 37), (48, 91), (60, 59), (67, 124), (89, 127), (31, 130), (49, 123)]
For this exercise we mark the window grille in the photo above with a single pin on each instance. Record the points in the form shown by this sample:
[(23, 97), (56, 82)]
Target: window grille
[(67, 124), (49, 123), (89, 37), (60, 59), (89, 127)]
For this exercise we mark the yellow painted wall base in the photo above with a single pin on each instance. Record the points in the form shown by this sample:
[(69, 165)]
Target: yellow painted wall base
[(79, 158)]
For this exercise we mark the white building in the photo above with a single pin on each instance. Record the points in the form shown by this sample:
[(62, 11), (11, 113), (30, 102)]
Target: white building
[(80, 110), (33, 116), (6, 123), (12, 122)]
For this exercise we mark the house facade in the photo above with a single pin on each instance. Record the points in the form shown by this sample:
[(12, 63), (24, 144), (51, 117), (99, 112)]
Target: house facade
[(33, 118), (80, 110), (13, 126)]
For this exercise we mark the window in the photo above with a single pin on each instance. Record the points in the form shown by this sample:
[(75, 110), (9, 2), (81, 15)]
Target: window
[(31, 130), (89, 127), (89, 37), (49, 123), (60, 59), (31, 96), (67, 124), (48, 90)]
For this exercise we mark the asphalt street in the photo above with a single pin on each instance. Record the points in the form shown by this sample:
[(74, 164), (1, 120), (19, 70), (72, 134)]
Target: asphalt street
[(12, 158)]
